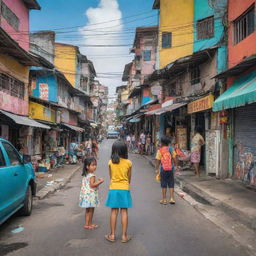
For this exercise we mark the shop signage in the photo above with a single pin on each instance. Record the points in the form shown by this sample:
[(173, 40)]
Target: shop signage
[(201, 104), (44, 91), (156, 90)]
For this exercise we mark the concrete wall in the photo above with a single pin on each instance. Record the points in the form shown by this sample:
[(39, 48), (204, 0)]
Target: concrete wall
[(11, 67), (43, 44), (245, 48), (21, 11), (48, 82), (176, 16), (66, 60)]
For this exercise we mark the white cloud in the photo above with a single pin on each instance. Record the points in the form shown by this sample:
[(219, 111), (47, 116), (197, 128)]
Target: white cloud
[(106, 33)]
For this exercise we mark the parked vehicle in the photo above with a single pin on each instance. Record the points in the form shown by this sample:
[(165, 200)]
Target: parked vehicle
[(112, 134), (17, 182)]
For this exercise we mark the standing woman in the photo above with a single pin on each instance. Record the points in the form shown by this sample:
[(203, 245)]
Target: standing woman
[(119, 197), (197, 142), (95, 148)]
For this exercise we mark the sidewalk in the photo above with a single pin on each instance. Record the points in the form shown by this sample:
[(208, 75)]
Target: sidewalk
[(49, 182), (230, 195)]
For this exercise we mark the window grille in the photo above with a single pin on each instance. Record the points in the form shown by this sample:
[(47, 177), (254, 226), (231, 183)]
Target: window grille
[(244, 25), (167, 40), (10, 16), (205, 28), (12, 86)]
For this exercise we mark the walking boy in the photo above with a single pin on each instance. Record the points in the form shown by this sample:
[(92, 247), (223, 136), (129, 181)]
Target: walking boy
[(165, 161)]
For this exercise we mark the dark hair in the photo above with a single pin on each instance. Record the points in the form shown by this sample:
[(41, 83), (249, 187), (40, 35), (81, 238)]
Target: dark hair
[(165, 141), (199, 129), (119, 150), (87, 162)]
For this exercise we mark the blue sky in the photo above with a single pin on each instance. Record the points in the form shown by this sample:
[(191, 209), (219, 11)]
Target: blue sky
[(80, 16)]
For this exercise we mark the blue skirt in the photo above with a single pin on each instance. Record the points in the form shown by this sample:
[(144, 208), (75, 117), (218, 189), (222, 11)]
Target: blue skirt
[(118, 198)]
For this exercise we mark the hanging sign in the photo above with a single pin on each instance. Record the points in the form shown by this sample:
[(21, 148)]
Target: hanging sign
[(201, 104), (44, 91)]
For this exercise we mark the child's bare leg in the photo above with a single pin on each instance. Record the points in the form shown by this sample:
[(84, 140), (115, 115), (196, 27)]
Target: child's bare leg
[(171, 193), (124, 221), (91, 215), (164, 193), (113, 218), (87, 216)]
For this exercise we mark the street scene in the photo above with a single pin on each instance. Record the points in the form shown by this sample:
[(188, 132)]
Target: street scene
[(127, 127)]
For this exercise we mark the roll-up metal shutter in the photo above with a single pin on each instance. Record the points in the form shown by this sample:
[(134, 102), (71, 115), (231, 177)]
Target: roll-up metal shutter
[(245, 143)]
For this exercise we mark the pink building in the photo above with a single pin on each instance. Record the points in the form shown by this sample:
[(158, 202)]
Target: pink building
[(14, 19)]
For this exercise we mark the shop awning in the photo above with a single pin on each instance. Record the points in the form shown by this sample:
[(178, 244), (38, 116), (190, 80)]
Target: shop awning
[(136, 118), (23, 120), (170, 108), (242, 92), (152, 112), (75, 128)]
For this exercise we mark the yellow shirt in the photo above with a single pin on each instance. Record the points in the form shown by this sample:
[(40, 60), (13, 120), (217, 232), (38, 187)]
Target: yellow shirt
[(119, 174)]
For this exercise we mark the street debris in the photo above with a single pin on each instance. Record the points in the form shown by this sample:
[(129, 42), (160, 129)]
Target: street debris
[(17, 230)]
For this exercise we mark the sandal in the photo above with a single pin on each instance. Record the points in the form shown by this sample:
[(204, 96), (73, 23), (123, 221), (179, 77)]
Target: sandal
[(94, 226), (172, 201), (88, 227), (163, 202), (129, 238), (107, 237)]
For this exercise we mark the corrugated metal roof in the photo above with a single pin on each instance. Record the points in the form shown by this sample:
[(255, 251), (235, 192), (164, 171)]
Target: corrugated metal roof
[(23, 120), (75, 128)]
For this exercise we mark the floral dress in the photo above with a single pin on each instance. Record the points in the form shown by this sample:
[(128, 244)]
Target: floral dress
[(88, 196)]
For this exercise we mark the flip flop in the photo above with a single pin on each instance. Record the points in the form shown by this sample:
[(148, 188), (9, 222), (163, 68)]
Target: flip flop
[(163, 202), (107, 237), (129, 238), (88, 227), (94, 226), (172, 201)]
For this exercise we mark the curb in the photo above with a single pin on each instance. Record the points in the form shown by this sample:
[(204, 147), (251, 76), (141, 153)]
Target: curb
[(46, 190), (204, 198)]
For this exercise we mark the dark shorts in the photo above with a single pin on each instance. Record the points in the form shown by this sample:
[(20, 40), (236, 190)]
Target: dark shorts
[(167, 179)]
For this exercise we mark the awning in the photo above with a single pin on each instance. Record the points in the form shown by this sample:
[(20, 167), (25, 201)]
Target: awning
[(72, 127), (23, 120), (242, 92), (163, 110), (152, 112)]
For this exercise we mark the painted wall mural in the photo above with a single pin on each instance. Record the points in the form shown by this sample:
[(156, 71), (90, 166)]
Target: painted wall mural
[(245, 165)]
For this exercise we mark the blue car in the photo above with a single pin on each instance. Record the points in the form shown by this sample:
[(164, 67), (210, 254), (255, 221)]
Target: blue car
[(17, 182)]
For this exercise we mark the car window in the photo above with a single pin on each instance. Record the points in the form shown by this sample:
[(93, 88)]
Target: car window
[(12, 154), (2, 161)]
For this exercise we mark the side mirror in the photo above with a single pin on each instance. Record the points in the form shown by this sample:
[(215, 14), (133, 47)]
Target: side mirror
[(26, 159)]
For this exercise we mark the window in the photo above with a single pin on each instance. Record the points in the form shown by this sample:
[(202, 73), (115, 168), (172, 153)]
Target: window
[(147, 55), (12, 153), (2, 161), (244, 25), (12, 86), (195, 75), (10, 16), (205, 28), (167, 40)]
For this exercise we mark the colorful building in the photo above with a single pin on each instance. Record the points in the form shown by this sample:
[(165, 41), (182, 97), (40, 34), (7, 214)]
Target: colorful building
[(175, 29), (237, 105)]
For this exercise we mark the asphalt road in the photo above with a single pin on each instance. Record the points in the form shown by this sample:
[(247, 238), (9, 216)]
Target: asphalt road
[(56, 225)]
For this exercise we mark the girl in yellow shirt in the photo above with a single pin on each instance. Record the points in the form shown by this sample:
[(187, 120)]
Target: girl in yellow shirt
[(119, 197)]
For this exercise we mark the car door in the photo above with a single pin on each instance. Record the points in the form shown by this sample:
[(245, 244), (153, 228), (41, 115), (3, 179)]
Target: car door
[(7, 185), (18, 170)]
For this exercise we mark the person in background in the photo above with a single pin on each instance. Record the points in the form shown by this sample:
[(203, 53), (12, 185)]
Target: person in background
[(142, 142), (165, 164), (148, 144), (95, 148), (197, 142), (128, 142), (133, 139)]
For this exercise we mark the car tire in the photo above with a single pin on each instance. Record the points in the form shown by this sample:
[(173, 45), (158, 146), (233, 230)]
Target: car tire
[(28, 203)]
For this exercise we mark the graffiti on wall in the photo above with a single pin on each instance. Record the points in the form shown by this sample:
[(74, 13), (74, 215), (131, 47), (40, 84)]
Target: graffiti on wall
[(245, 166)]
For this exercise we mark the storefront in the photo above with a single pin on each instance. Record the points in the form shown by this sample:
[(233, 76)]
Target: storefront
[(200, 112)]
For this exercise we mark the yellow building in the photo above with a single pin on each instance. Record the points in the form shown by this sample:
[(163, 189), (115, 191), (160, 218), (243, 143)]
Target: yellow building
[(175, 29), (65, 61)]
